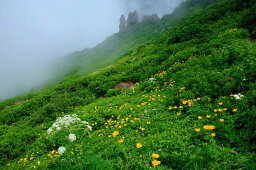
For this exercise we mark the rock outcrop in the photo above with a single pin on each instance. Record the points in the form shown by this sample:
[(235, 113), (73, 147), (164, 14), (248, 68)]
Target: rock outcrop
[(126, 85), (122, 24), (133, 18), (150, 19)]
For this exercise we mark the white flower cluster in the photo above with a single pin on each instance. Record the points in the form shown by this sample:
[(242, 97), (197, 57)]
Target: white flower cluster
[(238, 96), (72, 137), (66, 121), (61, 150), (152, 79)]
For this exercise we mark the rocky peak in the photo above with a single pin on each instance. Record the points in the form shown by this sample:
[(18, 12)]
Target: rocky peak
[(122, 24), (133, 18)]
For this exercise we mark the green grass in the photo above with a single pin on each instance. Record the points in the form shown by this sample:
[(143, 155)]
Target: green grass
[(187, 78)]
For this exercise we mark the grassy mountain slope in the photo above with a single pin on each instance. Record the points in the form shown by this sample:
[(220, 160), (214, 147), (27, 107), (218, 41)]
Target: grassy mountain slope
[(184, 112)]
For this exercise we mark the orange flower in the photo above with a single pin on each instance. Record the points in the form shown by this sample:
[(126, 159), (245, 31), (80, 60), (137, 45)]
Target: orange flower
[(115, 133), (200, 117), (213, 134), (156, 162), (197, 130), (209, 127), (184, 102), (155, 155), (220, 110), (121, 141), (139, 145)]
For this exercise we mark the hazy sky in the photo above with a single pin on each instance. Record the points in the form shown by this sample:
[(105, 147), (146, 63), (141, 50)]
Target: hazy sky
[(34, 32)]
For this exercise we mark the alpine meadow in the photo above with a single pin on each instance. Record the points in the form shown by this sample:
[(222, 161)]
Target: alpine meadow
[(176, 91)]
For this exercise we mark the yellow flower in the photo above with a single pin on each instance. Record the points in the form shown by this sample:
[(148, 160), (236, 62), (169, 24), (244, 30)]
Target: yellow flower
[(121, 141), (222, 120), (144, 103), (200, 117), (156, 162), (148, 122), (115, 133), (209, 127), (208, 116), (142, 129), (198, 130), (198, 98), (139, 145), (181, 107), (220, 103), (213, 134), (184, 102), (225, 109), (215, 110), (155, 155), (235, 110), (220, 110)]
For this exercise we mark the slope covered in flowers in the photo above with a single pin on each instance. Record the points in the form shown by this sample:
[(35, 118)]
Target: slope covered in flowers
[(193, 108)]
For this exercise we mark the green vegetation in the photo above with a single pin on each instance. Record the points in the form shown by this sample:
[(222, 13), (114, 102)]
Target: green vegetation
[(193, 108)]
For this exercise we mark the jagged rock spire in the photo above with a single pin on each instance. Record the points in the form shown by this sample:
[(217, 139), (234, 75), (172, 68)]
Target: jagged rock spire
[(122, 24), (133, 18)]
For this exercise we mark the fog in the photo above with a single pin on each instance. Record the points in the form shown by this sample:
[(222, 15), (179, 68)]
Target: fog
[(149, 7), (35, 34)]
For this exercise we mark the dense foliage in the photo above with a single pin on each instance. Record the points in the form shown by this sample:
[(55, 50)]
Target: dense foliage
[(193, 106)]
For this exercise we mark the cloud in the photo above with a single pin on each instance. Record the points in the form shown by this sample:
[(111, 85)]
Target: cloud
[(34, 34)]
